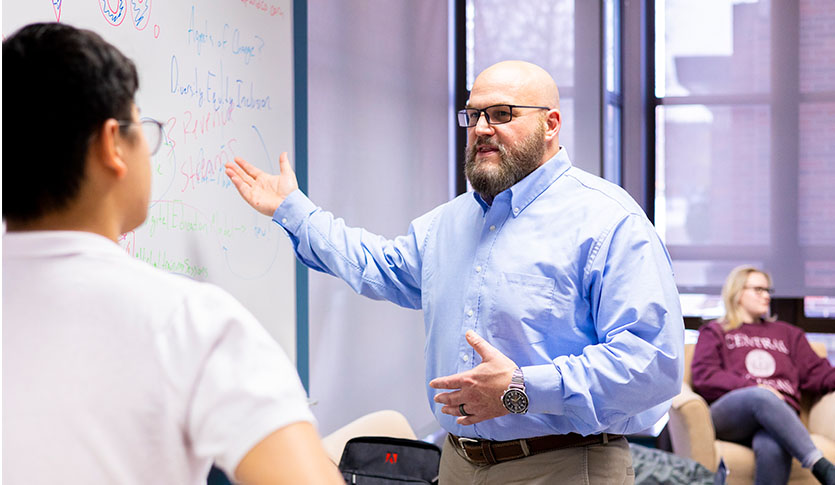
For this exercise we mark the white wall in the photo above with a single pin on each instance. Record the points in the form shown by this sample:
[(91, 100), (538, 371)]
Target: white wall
[(378, 158)]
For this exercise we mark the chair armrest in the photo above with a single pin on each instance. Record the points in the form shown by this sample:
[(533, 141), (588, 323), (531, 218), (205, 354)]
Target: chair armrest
[(822, 415), (691, 429)]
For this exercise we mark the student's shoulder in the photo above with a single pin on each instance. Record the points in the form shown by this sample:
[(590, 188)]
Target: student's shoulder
[(779, 326), (712, 329), (201, 309), (174, 288)]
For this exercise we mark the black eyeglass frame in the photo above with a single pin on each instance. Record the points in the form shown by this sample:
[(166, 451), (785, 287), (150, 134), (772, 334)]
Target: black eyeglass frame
[(146, 121), (466, 111)]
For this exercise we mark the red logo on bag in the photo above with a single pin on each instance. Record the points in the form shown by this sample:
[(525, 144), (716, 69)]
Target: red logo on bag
[(391, 457)]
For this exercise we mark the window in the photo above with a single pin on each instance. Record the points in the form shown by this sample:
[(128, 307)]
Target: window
[(612, 92), (528, 30), (744, 169), (578, 43)]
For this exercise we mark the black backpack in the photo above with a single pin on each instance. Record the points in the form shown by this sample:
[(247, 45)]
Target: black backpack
[(380, 460)]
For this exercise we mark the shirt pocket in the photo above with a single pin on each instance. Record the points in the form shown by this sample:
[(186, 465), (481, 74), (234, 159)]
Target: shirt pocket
[(522, 308)]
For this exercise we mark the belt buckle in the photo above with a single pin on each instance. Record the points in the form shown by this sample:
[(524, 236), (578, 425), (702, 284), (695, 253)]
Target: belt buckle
[(463, 441)]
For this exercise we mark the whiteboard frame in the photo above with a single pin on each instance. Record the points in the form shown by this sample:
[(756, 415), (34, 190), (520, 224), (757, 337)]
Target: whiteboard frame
[(300, 144)]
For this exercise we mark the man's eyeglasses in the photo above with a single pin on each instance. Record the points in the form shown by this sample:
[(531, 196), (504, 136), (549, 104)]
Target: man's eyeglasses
[(760, 290), (152, 129), (495, 115)]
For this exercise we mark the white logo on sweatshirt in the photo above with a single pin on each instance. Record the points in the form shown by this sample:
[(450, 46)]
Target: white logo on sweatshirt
[(760, 363), (740, 340)]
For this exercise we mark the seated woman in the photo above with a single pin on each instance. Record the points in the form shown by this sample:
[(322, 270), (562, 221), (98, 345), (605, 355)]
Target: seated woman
[(751, 368)]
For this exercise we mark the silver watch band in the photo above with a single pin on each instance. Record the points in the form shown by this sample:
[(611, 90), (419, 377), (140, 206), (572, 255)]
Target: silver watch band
[(517, 381)]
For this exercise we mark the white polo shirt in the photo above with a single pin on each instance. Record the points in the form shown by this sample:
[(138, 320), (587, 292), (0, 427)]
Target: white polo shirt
[(115, 372)]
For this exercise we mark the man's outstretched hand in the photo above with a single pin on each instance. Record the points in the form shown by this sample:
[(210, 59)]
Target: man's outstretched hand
[(263, 191)]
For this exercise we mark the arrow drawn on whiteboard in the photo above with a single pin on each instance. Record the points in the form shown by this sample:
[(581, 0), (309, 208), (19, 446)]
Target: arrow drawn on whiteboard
[(56, 6)]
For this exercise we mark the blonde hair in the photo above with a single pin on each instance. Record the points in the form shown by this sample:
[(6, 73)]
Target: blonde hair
[(734, 285)]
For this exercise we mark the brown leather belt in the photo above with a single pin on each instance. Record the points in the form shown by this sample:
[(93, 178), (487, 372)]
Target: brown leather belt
[(486, 452)]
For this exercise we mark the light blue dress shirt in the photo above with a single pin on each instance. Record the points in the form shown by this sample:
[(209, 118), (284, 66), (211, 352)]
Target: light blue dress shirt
[(563, 273)]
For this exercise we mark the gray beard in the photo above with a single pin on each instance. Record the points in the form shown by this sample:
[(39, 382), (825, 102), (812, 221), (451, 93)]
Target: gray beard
[(515, 163)]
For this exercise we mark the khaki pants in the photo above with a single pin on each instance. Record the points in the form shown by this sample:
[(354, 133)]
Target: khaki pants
[(582, 465)]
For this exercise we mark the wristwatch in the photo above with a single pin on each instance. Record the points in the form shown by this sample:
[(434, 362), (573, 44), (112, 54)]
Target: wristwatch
[(514, 398)]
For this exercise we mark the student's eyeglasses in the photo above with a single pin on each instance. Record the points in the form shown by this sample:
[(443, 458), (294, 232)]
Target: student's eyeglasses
[(152, 129), (495, 115), (760, 290)]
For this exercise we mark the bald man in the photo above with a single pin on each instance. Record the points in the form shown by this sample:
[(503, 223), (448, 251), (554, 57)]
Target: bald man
[(553, 322)]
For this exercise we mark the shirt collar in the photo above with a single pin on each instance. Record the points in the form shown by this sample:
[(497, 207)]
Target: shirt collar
[(528, 189)]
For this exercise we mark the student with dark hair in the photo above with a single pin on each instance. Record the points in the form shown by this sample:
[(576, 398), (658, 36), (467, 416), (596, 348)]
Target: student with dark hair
[(114, 372), (751, 368)]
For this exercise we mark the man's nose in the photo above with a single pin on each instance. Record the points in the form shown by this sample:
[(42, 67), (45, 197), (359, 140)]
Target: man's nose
[(482, 126)]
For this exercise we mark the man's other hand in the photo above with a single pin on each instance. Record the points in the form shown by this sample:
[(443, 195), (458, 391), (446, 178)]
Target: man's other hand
[(479, 389)]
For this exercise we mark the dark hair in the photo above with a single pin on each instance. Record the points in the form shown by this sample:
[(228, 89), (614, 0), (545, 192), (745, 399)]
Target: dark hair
[(60, 84)]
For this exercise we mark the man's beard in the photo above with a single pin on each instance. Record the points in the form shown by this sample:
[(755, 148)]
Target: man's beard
[(515, 163)]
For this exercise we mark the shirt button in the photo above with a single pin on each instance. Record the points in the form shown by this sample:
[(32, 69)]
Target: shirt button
[(469, 313), (515, 210), (465, 357), (284, 220), (478, 269), (492, 228)]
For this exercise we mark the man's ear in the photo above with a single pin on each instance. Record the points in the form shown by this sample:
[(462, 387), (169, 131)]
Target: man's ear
[(108, 147), (553, 123)]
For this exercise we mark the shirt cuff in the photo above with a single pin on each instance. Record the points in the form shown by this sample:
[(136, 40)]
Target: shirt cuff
[(293, 211), (543, 385)]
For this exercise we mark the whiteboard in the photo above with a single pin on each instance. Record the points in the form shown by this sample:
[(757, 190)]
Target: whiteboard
[(219, 73)]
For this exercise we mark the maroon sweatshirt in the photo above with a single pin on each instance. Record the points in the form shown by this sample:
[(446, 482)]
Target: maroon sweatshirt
[(772, 353)]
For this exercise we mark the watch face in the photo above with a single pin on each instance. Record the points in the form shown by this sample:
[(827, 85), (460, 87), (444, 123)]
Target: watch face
[(515, 401)]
